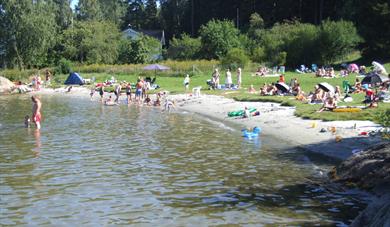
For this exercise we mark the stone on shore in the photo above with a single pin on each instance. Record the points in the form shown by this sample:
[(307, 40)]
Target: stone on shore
[(6, 85)]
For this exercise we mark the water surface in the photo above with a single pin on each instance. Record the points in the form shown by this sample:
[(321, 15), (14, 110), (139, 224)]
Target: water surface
[(125, 165)]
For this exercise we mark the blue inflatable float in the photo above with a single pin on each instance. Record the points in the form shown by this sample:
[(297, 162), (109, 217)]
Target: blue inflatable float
[(255, 132)]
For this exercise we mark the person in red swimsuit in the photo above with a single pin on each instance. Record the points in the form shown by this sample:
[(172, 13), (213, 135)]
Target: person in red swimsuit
[(36, 111)]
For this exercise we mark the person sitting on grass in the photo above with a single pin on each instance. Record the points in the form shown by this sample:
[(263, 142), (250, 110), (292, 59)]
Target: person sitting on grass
[(337, 94), (263, 90), (329, 104), (251, 89), (296, 89), (317, 95)]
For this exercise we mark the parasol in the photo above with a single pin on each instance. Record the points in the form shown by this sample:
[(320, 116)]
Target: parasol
[(326, 87)]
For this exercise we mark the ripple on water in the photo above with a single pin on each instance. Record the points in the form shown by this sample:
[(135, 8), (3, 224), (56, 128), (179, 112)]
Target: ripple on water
[(96, 165)]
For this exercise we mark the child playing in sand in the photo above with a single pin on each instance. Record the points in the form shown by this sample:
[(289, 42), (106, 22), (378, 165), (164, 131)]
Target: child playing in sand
[(27, 121)]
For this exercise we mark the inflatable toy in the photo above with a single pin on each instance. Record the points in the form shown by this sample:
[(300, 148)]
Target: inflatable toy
[(255, 133), (240, 113), (347, 109)]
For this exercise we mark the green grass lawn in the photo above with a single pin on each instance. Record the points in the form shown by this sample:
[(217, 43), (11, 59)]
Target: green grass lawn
[(174, 84)]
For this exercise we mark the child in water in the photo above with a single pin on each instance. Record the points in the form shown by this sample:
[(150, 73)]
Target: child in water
[(27, 121)]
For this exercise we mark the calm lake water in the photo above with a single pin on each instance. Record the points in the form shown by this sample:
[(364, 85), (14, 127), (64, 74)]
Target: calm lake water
[(125, 165)]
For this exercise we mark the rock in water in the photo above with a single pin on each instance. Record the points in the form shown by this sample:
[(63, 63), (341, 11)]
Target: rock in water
[(369, 170)]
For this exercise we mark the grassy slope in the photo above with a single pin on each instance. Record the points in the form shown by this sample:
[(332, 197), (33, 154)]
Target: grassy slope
[(174, 84)]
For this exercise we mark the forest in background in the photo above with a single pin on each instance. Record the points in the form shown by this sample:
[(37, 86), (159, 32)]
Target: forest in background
[(42, 33)]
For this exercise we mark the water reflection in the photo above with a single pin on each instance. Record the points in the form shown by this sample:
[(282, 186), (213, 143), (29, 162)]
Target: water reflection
[(37, 136)]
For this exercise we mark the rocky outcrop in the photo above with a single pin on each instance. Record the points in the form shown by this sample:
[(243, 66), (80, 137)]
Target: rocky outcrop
[(369, 170), (377, 213), (6, 85)]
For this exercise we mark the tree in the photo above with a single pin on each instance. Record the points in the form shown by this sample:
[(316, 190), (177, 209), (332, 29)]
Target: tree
[(372, 19), (135, 14), (256, 23), (151, 20), (92, 42), (337, 39), (218, 37), (184, 48), (113, 10), (89, 10), (63, 13), (27, 32)]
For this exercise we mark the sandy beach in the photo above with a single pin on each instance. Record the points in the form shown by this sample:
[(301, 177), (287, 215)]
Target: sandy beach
[(279, 121)]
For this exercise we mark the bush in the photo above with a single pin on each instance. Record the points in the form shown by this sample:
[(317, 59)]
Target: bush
[(64, 66), (336, 40), (16, 75), (291, 43), (383, 118), (185, 48), (235, 58), (258, 55), (217, 38)]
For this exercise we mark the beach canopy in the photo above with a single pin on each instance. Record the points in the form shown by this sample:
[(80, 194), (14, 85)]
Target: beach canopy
[(282, 87), (373, 78), (326, 87), (156, 67), (74, 79), (379, 68)]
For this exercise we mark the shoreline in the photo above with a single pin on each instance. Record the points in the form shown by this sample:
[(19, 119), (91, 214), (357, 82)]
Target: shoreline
[(340, 141)]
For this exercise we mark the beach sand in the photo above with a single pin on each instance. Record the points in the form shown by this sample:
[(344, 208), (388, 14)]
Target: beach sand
[(280, 122)]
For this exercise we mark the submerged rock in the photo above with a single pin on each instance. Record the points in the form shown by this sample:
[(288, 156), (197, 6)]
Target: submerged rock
[(370, 170)]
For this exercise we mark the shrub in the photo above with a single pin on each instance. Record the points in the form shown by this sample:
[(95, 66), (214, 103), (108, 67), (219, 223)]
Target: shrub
[(218, 37), (383, 118), (258, 55), (185, 48), (336, 39), (235, 58), (295, 39), (63, 67)]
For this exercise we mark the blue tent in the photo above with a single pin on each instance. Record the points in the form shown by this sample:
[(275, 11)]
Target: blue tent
[(74, 78)]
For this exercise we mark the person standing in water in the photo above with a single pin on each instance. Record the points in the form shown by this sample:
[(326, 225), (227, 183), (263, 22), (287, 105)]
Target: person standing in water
[(128, 93), (36, 111), (117, 92)]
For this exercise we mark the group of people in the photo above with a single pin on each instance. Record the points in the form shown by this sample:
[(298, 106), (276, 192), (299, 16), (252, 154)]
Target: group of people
[(262, 71), (215, 79), (325, 72), (134, 94)]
